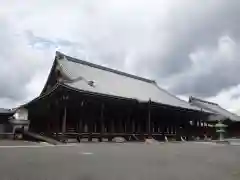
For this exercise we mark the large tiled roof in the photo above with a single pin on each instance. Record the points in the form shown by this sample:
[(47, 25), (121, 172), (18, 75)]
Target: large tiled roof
[(220, 113), (93, 78)]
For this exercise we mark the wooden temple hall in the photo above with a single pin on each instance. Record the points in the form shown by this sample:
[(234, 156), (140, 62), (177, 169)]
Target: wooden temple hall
[(85, 100)]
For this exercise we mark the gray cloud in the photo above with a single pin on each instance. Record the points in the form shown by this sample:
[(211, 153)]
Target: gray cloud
[(163, 52), (10, 75), (219, 71), (19, 66), (235, 96), (191, 47)]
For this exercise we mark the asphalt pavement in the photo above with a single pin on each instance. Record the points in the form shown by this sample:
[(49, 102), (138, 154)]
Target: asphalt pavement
[(126, 161)]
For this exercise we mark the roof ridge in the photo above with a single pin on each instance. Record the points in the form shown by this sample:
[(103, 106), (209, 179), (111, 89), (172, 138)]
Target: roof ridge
[(69, 58), (204, 101), (214, 110)]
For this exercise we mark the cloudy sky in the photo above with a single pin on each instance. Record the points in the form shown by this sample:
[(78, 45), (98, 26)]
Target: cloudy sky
[(189, 47)]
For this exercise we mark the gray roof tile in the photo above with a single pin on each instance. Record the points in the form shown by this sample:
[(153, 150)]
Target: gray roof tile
[(94, 78)]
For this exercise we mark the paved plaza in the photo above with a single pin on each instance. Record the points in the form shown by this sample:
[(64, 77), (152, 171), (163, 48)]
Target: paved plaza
[(127, 161)]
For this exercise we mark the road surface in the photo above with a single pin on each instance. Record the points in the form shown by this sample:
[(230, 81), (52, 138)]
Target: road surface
[(130, 161)]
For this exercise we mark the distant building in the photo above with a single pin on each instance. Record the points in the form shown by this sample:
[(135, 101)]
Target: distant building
[(219, 114), (5, 126)]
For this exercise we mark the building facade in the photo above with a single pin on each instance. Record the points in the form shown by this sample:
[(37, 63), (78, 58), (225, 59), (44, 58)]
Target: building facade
[(85, 100)]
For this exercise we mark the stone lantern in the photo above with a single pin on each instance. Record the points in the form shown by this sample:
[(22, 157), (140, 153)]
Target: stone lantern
[(220, 129)]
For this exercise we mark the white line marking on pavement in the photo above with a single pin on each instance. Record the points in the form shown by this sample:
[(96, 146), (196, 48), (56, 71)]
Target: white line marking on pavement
[(235, 143), (33, 146), (41, 145), (86, 153), (209, 143), (65, 145)]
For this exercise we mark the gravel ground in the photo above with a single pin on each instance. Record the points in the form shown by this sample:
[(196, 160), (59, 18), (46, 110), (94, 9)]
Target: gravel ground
[(127, 161)]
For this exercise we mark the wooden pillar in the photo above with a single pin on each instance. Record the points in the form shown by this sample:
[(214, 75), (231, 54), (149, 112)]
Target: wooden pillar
[(178, 129), (119, 124), (125, 125), (195, 128), (112, 123), (80, 129), (139, 127), (90, 129), (133, 126), (80, 126), (153, 127), (187, 127), (167, 129), (158, 127), (102, 123), (64, 119), (162, 128), (128, 124), (80, 122), (149, 119), (207, 129), (200, 128), (174, 129)]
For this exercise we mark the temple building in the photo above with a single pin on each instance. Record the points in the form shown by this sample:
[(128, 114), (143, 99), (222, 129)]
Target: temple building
[(84, 100)]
